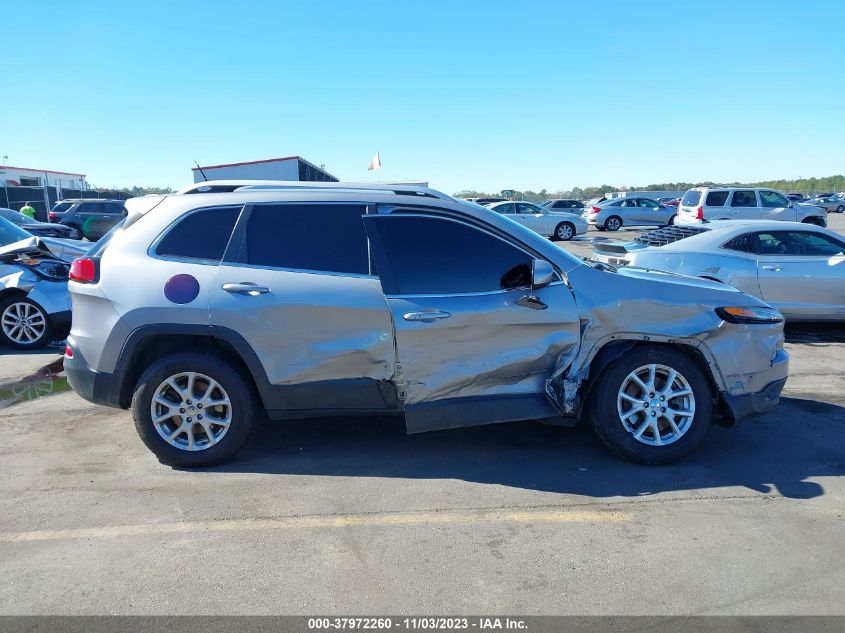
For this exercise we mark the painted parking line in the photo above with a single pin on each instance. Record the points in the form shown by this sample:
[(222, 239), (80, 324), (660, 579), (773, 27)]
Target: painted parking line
[(391, 519)]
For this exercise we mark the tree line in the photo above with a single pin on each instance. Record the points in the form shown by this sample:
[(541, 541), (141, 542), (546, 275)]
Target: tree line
[(801, 185)]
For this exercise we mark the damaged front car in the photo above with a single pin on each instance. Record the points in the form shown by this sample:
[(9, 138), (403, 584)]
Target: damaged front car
[(34, 300)]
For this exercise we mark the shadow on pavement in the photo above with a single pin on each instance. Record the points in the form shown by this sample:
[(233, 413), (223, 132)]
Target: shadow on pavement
[(800, 439)]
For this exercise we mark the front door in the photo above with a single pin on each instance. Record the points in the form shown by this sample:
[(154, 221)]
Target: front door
[(301, 292), (802, 273), (471, 350), (775, 207)]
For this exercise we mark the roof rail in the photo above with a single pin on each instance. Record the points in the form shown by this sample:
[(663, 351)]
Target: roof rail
[(226, 186)]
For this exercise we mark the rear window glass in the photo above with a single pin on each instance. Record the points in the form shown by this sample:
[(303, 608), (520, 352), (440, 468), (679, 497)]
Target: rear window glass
[(717, 198), (61, 207), (691, 198), (202, 234)]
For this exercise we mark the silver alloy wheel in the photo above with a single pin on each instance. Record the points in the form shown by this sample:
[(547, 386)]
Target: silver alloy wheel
[(191, 411), (23, 323), (564, 232), (613, 224), (656, 405)]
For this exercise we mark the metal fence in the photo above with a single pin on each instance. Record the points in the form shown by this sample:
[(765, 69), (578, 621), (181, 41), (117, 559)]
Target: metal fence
[(42, 199)]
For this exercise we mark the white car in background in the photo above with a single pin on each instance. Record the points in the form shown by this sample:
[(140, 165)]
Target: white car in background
[(558, 225), (744, 203), (798, 268)]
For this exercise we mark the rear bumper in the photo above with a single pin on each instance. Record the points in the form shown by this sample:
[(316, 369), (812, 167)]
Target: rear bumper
[(96, 387)]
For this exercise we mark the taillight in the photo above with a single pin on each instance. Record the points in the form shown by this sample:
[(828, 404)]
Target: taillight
[(51, 216), (68, 351), (595, 210), (83, 270), (699, 214)]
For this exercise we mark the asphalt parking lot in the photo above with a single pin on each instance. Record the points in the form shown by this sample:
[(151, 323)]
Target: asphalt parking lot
[(353, 516)]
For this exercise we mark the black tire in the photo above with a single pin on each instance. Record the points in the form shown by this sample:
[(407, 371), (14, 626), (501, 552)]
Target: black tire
[(840, 208), (48, 329), (671, 221), (562, 228), (611, 223), (75, 232), (606, 420), (242, 411)]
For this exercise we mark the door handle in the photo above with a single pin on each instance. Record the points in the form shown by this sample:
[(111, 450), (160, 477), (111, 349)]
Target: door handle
[(246, 288), (773, 267), (433, 315)]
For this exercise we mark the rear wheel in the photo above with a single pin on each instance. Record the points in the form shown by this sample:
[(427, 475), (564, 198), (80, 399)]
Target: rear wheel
[(840, 208), (565, 231), (75, 232), (613, 223), (23, 323), (192, 410), (671, 221), (653, 406)]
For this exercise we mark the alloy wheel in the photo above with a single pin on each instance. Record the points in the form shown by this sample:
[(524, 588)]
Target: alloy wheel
[(564, 232), (656, 404), (23, 323), (191, 411)]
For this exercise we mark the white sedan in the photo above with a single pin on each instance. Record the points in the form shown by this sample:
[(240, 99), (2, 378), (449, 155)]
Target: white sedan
[(795, 267), (558, 225)]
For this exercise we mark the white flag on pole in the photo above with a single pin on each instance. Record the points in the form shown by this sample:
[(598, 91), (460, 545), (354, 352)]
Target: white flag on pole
[(375, 163)]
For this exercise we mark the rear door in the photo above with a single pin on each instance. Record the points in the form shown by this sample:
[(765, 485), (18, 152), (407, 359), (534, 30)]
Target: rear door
[(775, 206), (530, 217), (297, 285), (743, 205), (470, 350), (802, 273)]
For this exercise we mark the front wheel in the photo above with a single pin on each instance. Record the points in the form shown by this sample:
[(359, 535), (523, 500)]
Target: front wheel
[(653, 406), (192, 410), (671, 221), (613, 223), (840, 208), (565, 231), (23, 323)]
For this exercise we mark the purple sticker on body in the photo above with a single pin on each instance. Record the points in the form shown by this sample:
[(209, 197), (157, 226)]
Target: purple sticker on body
[(181, 289)]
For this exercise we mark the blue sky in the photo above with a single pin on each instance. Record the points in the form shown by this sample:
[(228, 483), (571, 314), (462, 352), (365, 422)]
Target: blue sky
[(466, 95)]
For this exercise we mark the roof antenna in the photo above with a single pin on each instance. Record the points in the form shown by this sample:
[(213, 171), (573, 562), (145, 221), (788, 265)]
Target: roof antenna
[(201, 171)]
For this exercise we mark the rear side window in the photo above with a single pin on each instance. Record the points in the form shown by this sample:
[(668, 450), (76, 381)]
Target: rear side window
[(744, 199), (433, 256), (202, 234), (716, 198), (90, 207), (318, 237), (691, 198), (745, 243)]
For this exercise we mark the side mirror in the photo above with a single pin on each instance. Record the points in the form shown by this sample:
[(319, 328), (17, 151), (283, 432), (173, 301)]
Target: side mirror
[(542, 274)]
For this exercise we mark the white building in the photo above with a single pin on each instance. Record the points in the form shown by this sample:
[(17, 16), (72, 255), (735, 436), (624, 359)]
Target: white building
[(26, 177), (287, 168)]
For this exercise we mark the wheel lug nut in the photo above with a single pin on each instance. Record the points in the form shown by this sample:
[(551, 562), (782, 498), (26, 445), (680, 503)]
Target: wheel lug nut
[(189, 402), (181, 410), (662, 398), (663, 409), (653, 413), (199, 406), (188, 420)]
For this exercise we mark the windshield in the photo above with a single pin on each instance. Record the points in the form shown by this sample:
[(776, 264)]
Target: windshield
[(9, 233)]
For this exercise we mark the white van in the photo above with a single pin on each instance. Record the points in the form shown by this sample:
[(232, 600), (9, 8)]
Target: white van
[(744, 203)]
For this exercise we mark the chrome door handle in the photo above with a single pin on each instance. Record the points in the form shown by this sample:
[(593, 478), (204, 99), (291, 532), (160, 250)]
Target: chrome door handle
[(433, 315), (773, 268), (246, 288)]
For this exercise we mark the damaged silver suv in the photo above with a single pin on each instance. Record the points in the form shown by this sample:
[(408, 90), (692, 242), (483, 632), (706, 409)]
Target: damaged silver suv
[(307, 299)]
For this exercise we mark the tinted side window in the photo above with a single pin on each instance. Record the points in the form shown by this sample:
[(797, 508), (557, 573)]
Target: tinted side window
[(436, 256), (111, 207), (320, 237), (799, 243), (691, 198), (744, 199), (771, 199), (744, 243), (200, 235), (507, 209), (89, 207), (716, 198)]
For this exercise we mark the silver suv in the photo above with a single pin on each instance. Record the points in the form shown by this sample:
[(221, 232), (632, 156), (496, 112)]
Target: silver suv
[(331, 298), (744, 203)]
